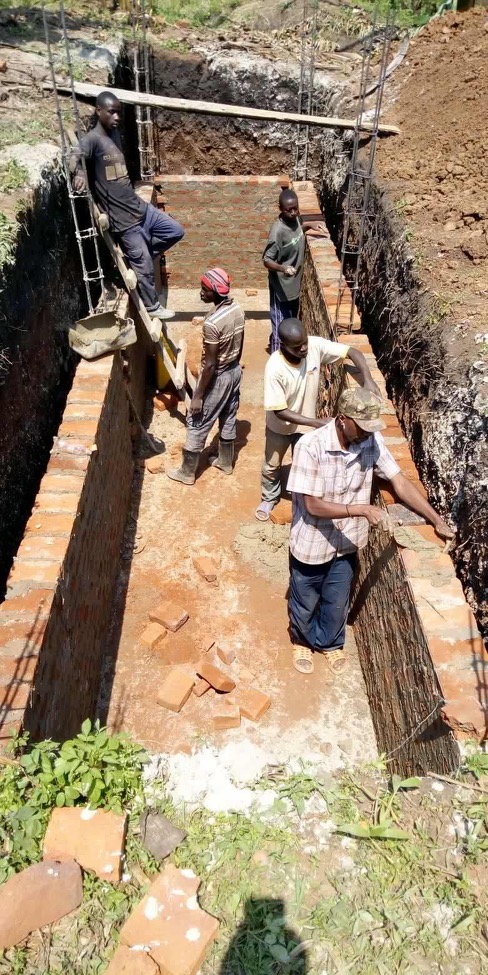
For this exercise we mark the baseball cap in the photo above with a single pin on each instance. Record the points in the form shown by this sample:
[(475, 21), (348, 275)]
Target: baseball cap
[(217, 280), (363, 407)]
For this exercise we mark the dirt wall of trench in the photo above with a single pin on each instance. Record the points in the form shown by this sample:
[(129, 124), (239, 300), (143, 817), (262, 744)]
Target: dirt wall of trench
[(438, 394)]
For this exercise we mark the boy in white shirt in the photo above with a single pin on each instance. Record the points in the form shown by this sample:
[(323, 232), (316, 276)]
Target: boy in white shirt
[(291, 389)]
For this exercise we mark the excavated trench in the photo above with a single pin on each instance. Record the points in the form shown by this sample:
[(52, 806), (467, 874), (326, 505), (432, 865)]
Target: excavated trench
[(446, 443)]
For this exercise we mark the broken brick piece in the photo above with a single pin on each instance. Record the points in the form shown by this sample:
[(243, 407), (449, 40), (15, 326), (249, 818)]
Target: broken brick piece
[(216, 677), (246, 676), (175, 690), (205, 568), (126, 961), (200, 687), (227, 654), (227, 716), (252, 703), (170, 920), (154, 464), (151, 636), (39, 895), (169, 615), (95, 838), (165, 401)]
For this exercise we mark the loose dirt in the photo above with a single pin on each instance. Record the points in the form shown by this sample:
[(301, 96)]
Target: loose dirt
[(437, 169), (265, 547)]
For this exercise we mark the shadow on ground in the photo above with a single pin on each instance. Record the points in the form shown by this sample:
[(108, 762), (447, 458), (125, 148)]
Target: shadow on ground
[(263, 943)]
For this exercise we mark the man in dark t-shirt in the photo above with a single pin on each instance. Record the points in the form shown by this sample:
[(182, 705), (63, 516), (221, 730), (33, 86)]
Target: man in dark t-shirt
[(142, 231), (283, 256)]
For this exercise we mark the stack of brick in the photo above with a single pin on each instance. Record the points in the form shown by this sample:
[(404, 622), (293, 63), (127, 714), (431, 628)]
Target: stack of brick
[(423, 659)]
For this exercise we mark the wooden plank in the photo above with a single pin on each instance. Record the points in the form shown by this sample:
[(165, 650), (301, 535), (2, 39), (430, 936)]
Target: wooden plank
[(217, 108), (180, 369)]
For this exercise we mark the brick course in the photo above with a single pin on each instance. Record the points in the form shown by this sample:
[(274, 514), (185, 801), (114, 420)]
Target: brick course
[(59, 592), (226, 220), (423, 660)]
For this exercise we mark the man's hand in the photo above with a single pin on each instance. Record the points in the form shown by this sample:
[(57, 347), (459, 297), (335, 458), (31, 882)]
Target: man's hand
[(317, 230), (374, 515), (290, 271), (79, 183), (196, 405), (442, 529)]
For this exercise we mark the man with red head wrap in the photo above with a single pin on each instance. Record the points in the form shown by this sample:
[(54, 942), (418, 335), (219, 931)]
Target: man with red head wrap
[(217, 390)]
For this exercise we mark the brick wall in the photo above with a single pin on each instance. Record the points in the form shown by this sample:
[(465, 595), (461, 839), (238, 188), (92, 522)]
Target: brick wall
[(422, 657), (59, 592), (227, 220)]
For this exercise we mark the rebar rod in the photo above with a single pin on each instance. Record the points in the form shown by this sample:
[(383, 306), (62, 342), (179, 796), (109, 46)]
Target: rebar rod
[(94, 275)]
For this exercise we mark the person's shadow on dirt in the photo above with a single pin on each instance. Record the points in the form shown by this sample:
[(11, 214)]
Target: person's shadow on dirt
[(264, 944)]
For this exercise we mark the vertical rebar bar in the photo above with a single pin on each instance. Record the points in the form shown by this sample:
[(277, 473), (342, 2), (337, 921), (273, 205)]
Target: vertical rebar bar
[(359, 178), (306, 85), (94, 276)]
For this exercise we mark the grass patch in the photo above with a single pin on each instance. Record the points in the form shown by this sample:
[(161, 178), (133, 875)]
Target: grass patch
[(291, 899), (197, 12), (8, 240), (12, 176)]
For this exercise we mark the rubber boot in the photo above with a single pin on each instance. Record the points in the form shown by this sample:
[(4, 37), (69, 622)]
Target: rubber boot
[(186, 473), (225, 459)]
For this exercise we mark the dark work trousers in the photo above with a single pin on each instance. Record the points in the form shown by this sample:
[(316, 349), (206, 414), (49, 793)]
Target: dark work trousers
[(143, 243), (221, 402), (278, 311), (318, 602)]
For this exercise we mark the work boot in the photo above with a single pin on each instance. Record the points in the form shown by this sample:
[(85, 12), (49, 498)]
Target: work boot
[(186, 473), (162, 313), (225, 459)]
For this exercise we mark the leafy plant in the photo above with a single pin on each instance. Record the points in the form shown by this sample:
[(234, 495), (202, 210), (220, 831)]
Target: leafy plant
[(477, 764), (8, 236), (93, 768), (382, 825)]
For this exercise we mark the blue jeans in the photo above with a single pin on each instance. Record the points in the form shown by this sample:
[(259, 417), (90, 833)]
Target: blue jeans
[(278, 311), (143, 243), (318, 601)]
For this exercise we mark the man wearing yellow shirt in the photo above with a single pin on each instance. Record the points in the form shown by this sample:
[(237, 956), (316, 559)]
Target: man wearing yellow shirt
[(291, 389)]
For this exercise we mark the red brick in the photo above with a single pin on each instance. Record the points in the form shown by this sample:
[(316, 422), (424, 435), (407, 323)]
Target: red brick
[(20, 669), (175, 690), (200, 687), (128, 962), (20, 638), (36, 603), (64, 461), (252, 703), (14, 695), (216, 677), (46, 523), (227, 654), (226, 716), (55, 483), (427, 532), (87, 429), (281, 514), (57, 502), (80, 395), (205, 568), (9, 728), (152, 635), (154, 464), (39, 547), (165, 401), (246, 676), (464, 710), (46, 572), (472, 652), (87, 411), (169, 615)]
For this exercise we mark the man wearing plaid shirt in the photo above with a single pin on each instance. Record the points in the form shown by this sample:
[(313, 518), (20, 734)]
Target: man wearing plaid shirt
[(330, 480)]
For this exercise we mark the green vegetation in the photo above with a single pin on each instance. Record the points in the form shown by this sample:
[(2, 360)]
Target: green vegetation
[(8, 238), (347, 873), (12, 176)]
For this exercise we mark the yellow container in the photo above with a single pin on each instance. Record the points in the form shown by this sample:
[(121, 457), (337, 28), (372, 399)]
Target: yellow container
[(162, 375)]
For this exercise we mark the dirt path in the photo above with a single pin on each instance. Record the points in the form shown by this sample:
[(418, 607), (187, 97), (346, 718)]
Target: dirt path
[(308, 717)]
